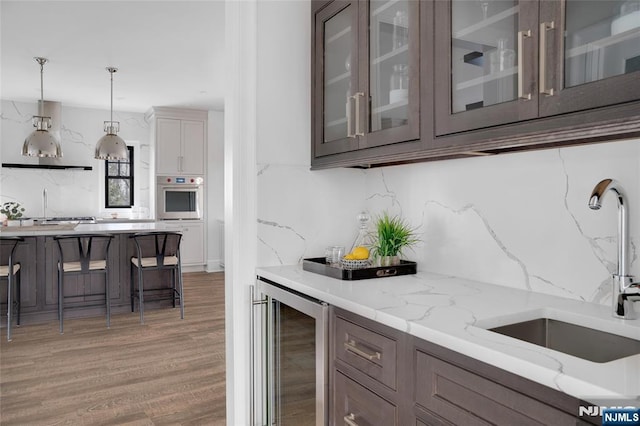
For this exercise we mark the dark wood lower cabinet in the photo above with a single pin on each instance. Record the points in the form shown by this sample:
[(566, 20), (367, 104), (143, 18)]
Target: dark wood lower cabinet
[(353, 404), (461, 396), (435, 386)]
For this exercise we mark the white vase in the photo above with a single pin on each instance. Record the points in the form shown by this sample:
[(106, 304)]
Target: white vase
[(13, 222)]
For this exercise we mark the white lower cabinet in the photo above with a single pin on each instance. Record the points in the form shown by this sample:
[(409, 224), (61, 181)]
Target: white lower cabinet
[(192, 245)]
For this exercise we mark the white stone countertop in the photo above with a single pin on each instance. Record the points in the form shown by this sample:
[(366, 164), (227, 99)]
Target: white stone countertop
[(82, 228), (454, 312)]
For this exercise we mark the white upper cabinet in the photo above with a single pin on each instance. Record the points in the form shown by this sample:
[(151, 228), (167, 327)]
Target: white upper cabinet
[(180, 140), (192, 159)]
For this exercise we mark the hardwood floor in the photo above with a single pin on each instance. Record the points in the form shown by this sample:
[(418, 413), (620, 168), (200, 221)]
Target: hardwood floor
[(166, 372)]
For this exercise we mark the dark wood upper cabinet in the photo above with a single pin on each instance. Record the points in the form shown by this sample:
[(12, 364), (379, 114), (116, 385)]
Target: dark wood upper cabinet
[(597, 61), (485, 74), (406, 81), (366, 75), (508, 61)]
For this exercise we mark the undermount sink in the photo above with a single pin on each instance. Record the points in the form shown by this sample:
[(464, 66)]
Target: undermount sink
[(582, 342)]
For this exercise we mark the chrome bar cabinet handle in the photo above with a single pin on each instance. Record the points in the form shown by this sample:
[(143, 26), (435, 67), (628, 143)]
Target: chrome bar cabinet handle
[(359, 131), (521, 36), (349, 134), (544, 27)]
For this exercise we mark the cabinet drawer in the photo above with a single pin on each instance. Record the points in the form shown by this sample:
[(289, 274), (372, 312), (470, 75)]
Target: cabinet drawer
[(463, 397), (354, 404), (368, 351)]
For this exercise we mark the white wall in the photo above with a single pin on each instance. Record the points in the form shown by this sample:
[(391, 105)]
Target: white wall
[(70, 192), (300, 212), (215, 189)]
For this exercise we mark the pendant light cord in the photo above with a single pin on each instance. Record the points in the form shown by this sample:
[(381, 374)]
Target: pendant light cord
[(111, 72), (41, 61)]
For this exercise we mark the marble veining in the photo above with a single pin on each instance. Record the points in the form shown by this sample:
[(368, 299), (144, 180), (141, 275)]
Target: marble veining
[(456, 313), (20, 117), (386, 194), (285, 227), (492, 233), (594, 242), (263, 169)]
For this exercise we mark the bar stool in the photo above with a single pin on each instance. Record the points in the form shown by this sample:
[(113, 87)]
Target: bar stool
[(159, 251), (78, 256), (10, 269)]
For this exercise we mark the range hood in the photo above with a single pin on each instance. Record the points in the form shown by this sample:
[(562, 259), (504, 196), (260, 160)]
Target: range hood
[(53, 110)]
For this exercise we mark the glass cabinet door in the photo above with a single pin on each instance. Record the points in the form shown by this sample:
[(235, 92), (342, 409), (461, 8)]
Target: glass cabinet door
[(337, 80), (593, 55), (485, 71), (484, 48), (392, 79), (601, 40)]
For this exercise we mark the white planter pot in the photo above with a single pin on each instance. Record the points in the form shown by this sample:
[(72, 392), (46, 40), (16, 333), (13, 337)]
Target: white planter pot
[(15, 222)]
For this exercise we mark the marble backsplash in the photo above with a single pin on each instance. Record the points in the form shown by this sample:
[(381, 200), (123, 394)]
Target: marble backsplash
[(519, 220), (70, 192)]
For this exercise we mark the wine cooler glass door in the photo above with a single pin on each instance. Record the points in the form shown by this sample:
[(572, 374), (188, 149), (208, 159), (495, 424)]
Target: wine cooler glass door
[(296, 358)]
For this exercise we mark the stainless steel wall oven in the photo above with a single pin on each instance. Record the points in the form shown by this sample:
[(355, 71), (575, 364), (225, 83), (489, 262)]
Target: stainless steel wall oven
[(290, 357), (180, 197)]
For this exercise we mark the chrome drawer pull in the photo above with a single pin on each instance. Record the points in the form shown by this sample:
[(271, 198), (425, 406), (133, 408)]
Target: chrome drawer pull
[(351, 347), (349, 419)]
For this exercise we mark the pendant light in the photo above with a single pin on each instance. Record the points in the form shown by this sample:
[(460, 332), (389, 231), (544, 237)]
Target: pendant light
[(41, 143), (111, 146)]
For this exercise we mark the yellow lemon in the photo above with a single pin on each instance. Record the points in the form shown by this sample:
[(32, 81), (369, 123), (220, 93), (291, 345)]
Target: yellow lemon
[(349, 256), (360, 253)]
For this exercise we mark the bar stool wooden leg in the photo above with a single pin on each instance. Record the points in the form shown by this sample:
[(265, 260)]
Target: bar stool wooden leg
[(60, 298), (9, 304), (18, 297), (107, 295), (173, 287), (180, 286), (141, 295), (131, 286)]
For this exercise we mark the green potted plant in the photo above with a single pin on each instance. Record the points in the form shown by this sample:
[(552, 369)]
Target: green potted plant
[(392, 235), (13, 212)]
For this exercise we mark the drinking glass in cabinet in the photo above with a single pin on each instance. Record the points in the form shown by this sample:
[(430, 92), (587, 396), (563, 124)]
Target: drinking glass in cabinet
[(389, 63), (337, 74), (484, 53), (602, 40), (399, 84)]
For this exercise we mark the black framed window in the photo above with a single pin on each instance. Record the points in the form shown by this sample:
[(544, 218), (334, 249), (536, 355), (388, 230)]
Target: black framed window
[(118, 182)]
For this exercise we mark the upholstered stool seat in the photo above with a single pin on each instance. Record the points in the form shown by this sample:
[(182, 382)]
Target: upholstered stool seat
[(4, 270)]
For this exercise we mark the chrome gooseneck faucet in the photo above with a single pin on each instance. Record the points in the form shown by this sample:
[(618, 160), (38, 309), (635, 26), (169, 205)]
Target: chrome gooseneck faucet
[(625, 291)]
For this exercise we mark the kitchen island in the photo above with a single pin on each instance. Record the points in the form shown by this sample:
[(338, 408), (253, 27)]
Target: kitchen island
[(455, 314), (38, 256)]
